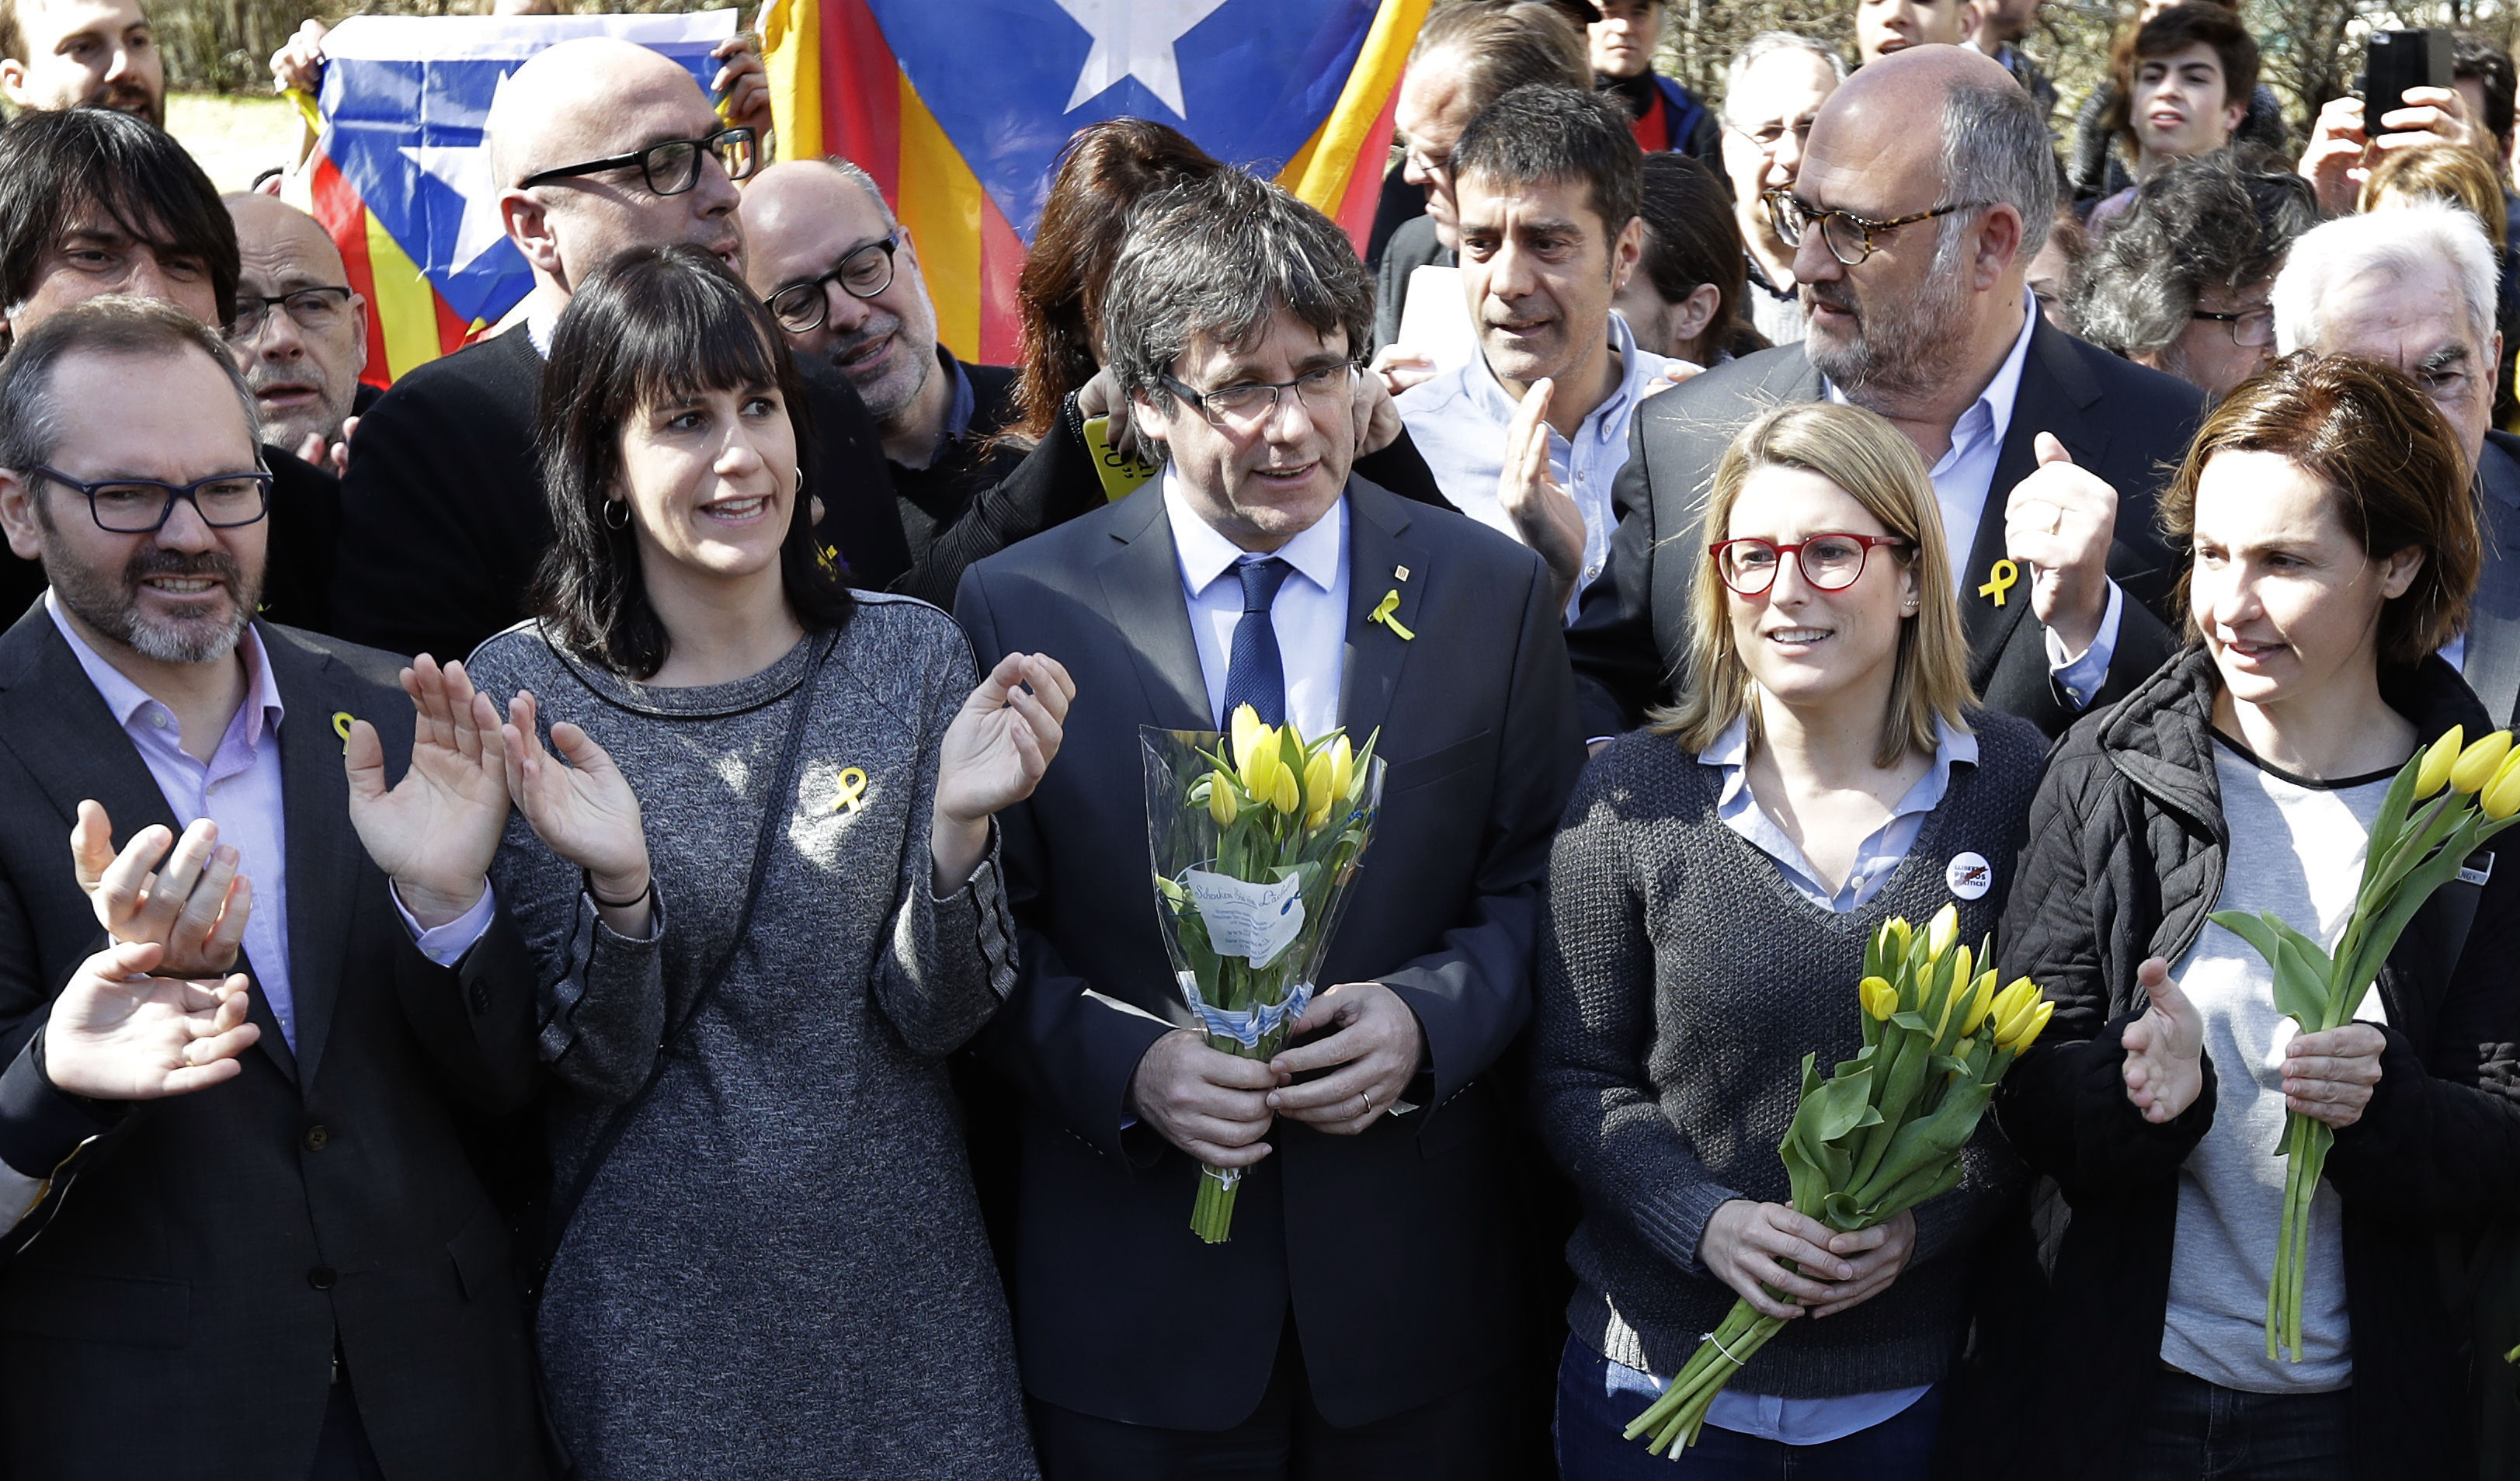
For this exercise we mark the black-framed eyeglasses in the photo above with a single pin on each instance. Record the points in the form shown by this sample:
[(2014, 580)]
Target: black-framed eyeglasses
[(1830, 563), (801, 306), (316, 310), (673, 166), (1846, 236), (143, 506), (1251, 403), (2251, 327)]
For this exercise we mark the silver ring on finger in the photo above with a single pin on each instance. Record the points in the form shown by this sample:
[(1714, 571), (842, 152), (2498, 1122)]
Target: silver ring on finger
[(1368, 1099)]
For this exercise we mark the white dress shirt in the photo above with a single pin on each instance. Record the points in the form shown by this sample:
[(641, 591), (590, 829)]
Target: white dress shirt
[(1309, 614), (1963, 483)]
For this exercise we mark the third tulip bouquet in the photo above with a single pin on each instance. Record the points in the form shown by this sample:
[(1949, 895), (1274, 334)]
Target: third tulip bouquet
[(1885, 1132), (2412, 852)]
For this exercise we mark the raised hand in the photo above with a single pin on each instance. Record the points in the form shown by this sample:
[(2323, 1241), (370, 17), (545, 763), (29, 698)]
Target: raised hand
[(744, 85), (1377, 419), (1543, 514), (2165, 1048), (194, 904), (585, 811), (993, 755), (119, 1034), (434, 833), (2059, 521)]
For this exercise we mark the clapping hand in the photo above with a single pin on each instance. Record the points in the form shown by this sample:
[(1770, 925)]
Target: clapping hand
[(119, 1034), (2165, 1048), (993, 755), (585, 812), (434, 833), (2059, 521), (1544, 514), (194, 904)]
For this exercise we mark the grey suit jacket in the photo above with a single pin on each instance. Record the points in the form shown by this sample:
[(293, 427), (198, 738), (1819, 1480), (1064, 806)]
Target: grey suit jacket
[(1393, 1244), (2127, 424), (2493, 658)]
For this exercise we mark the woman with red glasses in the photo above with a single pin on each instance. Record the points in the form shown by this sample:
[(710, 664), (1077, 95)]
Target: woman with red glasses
[(1826, 768)]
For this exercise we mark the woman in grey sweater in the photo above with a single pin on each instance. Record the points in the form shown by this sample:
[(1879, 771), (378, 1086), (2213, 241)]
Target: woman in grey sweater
[(771, 854), (1719, 872)]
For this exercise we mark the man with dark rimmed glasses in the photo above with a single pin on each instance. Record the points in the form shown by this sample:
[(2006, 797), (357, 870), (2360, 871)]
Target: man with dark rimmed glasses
[(599, 145), (1925, 187)]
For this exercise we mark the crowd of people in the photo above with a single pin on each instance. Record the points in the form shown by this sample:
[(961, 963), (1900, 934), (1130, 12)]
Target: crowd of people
[(606, 928)]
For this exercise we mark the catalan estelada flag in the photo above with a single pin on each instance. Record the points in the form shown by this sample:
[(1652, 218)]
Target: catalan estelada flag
[(401, 177), (959, 110)]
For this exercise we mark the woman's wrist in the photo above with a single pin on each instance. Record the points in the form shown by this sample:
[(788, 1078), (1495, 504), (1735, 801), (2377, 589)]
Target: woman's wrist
[(621, 890), (956, 847)]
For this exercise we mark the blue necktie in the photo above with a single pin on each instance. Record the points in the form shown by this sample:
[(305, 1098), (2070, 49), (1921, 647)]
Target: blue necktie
[(1254, 674)]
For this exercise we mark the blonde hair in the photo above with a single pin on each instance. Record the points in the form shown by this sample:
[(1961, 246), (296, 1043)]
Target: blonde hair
[(2449, 172), (1862, 453)]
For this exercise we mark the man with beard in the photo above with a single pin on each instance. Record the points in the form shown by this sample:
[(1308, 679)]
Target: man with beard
[(57, 54), (239, 1188), (300, 331), (2045, 452), (842, 275), (598, 146), (93, 201)]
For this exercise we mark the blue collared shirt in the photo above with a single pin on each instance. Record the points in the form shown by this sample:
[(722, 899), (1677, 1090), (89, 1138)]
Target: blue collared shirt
[(1876, 858)]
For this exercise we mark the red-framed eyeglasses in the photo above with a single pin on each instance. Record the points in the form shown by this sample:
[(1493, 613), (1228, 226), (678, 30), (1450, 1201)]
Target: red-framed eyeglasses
[(1830, 563)]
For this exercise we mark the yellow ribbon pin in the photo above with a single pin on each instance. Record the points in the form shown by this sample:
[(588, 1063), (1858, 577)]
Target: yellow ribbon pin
[(341, 719), (1382, 611), (853, 785), (829, 558), (2005, 574)]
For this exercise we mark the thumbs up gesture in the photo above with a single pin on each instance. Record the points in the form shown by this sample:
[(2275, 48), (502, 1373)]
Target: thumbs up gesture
[(2059, 521)]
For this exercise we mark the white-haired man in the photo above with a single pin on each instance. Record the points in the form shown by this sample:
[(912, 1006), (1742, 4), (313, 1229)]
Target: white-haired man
[(2413, 286), (1774, 89)]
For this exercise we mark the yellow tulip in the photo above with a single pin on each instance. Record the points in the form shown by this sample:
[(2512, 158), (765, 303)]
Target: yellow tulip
[(1951, 996), (1260, 766), (1285, 793), (1980, 1003), (1220, 800), (1317, 790), (2026, 1033), (2501, 796), (2477, 764), (2014, 1003), (2434, 773), (1246, 734), (1895, 934), (1940, 932), (1342, 768), (1879, 997)]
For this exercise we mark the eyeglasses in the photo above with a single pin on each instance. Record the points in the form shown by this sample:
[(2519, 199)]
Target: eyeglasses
[(1767, 138), (316, 310), (1428, 164), (2251, 327), (673, 166), (1846, 236), (800, 307), (1830, 563), (143, 506), (1252, 403)]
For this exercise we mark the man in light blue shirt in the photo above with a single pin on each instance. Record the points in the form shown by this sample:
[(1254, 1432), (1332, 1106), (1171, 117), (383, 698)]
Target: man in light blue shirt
[(1527, 438)]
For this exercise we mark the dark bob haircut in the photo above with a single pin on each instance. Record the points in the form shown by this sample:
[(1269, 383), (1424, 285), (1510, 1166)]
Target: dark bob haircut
[(655, 326), (2390, 463), (55, 168), (1539, 133)]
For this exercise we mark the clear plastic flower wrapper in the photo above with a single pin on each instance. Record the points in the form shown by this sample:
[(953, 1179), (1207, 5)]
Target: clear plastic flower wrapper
[(1255, 839)]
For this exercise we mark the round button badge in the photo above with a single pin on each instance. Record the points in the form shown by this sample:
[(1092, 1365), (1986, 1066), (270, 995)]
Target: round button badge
[(1969, 875)]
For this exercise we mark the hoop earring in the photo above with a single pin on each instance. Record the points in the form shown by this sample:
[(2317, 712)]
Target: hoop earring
[(801, 479), (610, 504)]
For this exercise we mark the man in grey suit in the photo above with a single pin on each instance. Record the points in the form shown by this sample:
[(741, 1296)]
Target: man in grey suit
[(2414, 287), (2045, 452), (1363, 1319)]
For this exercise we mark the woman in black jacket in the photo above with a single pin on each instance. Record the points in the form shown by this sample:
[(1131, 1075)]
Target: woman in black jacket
[(2334, 552)]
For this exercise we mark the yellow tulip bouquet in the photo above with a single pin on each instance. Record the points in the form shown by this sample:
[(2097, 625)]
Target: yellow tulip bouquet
[(2412, 852), (1886, 1130), (1254, 851)]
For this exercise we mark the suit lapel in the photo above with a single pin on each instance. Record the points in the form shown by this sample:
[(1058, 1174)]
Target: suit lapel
[(1380, 560), (1141, 591), (324, 852), (2054, 396), (2493, 658)]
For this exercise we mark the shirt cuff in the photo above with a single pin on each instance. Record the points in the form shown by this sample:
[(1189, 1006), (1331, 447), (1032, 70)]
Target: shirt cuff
[(446, 944), (2082, 677)]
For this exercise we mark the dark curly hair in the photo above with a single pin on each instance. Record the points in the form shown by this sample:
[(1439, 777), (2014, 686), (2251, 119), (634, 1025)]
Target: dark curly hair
[(2225, 220)]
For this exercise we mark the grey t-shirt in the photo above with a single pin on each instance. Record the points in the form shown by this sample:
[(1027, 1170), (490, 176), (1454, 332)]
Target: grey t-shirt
[(2297, 850)]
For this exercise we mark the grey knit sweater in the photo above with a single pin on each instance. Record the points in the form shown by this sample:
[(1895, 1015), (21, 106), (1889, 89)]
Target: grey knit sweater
[(1680, 985), (780, 1270)]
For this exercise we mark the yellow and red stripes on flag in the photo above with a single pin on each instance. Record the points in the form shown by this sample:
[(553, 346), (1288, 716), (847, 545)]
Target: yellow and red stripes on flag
[(408, 323), (835, 88)]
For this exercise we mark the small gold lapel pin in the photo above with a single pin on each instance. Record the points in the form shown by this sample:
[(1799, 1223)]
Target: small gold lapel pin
[(2005, 574), (853, 785), (1382, 613)]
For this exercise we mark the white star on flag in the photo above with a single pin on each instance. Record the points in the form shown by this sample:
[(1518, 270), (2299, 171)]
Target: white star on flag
[(1133, 38), (465, 169)]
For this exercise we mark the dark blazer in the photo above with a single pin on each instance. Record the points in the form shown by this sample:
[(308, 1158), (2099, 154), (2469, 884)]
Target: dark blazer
[(1392, 1245), (179, 1294), (2126, 424), (444, 518), (2493, 659)]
